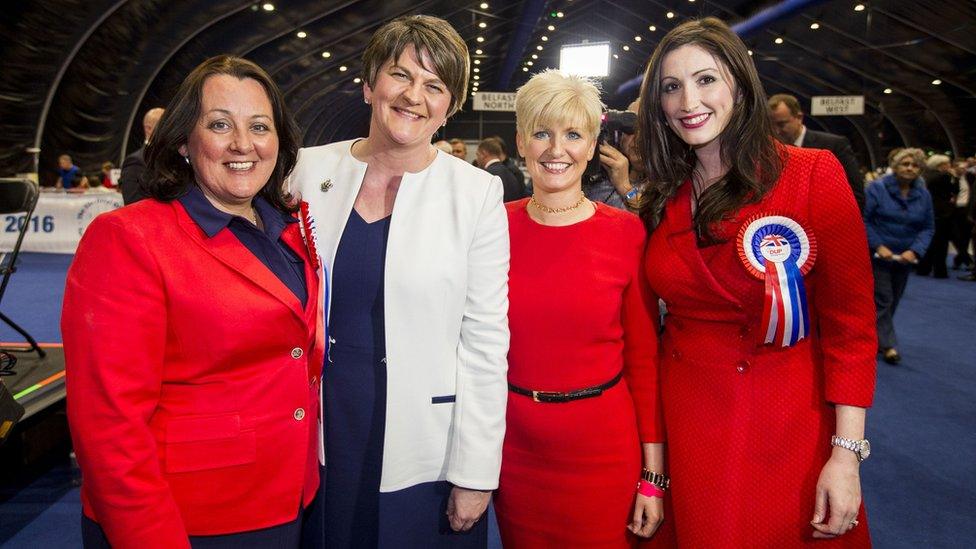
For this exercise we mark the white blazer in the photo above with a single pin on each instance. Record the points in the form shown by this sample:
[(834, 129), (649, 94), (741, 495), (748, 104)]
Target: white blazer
[(446, 307)]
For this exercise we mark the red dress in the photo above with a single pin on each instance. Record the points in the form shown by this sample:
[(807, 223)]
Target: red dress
[(578, 314), (749, 425)]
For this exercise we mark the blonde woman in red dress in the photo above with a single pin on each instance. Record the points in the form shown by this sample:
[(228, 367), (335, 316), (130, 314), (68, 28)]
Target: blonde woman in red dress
[(582, 413), (768, 352)]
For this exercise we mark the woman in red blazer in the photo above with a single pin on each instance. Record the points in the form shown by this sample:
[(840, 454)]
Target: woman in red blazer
[(193, 378), (768, 352)]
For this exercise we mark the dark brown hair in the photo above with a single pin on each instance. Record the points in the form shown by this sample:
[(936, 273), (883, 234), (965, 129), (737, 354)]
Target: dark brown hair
[(430, 36), (747, 144), (169, 175), (790, 101)]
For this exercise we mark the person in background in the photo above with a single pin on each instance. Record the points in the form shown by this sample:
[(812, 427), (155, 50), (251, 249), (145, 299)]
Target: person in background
[(962, 227), (444, 146), (942, 188), (69, 175), (510, 162), (583, 405), (757, 248), (900, 223), (105, 177), (459, 149), (134, 166), (416, 246), (621, 181), (489, 156), (788, 126), (192, 378)]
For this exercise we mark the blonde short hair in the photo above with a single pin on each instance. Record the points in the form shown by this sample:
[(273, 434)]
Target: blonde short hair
[(553, 96)]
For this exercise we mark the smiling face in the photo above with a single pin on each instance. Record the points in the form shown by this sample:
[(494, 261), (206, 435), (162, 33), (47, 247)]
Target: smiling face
[(409, 101), (233, 146), (697, 95), (556, 154)]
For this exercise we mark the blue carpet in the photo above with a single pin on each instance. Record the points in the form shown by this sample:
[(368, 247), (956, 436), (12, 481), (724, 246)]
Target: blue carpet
[(919, 486)]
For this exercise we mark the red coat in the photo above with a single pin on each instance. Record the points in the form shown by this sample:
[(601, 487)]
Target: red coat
[(749, 425), (192, 380)]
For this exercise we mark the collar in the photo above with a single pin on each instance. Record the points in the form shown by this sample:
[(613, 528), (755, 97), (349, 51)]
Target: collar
[(490, 162), (799, 140), (891, 184), (212, 221)]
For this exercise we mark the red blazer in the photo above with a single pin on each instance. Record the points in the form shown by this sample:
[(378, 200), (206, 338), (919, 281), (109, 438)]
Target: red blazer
[(192, 380)]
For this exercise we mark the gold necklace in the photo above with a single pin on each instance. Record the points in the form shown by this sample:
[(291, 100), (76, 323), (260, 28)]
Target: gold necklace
[(549, 210)]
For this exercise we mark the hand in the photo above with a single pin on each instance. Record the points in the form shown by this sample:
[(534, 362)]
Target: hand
[(838, 495), (465, 507), (648, 515), (618, 167), (909, 256), (884, 252)]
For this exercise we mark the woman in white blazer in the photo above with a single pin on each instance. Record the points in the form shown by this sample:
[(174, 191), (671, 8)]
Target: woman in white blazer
[(415, 247)]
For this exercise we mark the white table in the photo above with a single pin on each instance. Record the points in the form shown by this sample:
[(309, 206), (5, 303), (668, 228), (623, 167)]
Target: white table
[(59, 220)]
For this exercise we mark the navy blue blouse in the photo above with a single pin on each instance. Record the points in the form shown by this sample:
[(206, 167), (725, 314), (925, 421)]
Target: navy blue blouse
[(266, 245)]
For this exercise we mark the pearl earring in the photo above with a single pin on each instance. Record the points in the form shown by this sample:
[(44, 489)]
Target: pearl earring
[(366, 100)]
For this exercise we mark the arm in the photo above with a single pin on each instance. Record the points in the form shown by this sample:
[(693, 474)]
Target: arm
[(474, 456), (870, 210), (844, 309), (114, 382)]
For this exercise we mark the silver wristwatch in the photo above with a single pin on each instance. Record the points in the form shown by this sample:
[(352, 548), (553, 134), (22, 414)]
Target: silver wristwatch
[(861, 448)]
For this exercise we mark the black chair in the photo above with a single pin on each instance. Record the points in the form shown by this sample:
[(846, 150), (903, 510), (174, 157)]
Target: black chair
[(17, 196)]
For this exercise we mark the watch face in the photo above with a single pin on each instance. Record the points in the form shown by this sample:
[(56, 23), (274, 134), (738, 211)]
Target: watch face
[(864, 449)]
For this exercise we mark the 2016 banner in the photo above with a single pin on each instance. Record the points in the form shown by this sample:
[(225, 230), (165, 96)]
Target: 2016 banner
[(58, 222)]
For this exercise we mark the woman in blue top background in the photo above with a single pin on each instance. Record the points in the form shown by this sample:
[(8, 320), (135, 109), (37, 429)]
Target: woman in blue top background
[(900, 223)]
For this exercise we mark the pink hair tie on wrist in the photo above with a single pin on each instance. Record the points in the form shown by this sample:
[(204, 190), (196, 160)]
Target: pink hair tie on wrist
[(645, 488)]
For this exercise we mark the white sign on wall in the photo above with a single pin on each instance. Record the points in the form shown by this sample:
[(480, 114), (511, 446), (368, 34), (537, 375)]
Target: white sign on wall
[(58, 222), (494, 101), (836, 105)]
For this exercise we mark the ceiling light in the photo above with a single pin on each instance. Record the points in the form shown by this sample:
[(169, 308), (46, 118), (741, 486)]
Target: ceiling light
[(525, 69), (626, 47), (476, 77), (343, 68), (301, 34), (778, 40), (859, 7), (637, 38), (615, 56), (559, 14), (477, 51), (551, 28), (326, 54), (529, 63), (267, 6), (534, 56), (936, 82), (545, 38), (814, 25), (539, 47), (476, 69), (482, 25), (669, 15), (887, 90), (652, 28), (750, 52), (484, 5), (480, 39), (357, 80), (477, 61)]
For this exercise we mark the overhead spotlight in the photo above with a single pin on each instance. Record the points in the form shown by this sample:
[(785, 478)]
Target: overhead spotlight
[(357, 80), (637, 38), (482, 25), (539, 47), (343, 68), (476, 77), (544, 38), (525, 69), (936, 82), (652, 28), (551, 28), (887, 90), (615, 56), (859, 7), (484, 5), (559, 14), (477, 61), (326, 54), (267, 6), (480, 39), (750, 52), (529, 63), (626, 47), (302, 34), (534, 56), (476, 69), (778, 40), (814, 25), (669, 15), (478, 51)]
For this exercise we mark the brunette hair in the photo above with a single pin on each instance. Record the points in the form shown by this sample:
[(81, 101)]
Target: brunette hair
[(430, 36), (789, 100), (169, 175), (747, 144)]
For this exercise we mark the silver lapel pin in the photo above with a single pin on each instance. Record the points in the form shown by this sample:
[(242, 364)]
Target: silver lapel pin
[(326, 185)]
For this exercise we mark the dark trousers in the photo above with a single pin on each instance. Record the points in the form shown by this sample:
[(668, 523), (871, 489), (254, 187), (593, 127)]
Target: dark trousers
[(962, 232), (283, 536), (890, 278), (935, 258)]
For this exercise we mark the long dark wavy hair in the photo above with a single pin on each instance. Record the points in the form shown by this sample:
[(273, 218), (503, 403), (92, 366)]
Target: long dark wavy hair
[(747, 143), (169, 176)]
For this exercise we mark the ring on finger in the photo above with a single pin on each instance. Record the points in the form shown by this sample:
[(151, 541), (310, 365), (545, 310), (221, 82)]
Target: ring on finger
[(854, 523)]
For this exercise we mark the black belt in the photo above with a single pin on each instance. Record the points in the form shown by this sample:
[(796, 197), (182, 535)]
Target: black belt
[(577, 394)]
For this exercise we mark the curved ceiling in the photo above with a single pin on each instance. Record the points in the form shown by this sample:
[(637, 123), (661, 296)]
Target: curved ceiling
[(79, 74)]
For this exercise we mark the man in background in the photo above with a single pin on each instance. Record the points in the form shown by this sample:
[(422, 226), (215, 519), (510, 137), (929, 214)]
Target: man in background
[(489, 155), (69, 175), (787, 119), (459, 149), (134, 167)]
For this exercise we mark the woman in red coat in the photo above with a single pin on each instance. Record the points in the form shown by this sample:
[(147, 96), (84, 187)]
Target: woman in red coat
[(768, 352), (583, 402)]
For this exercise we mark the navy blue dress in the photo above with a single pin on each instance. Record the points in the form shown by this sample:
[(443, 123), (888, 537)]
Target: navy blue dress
[(350, 511)]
